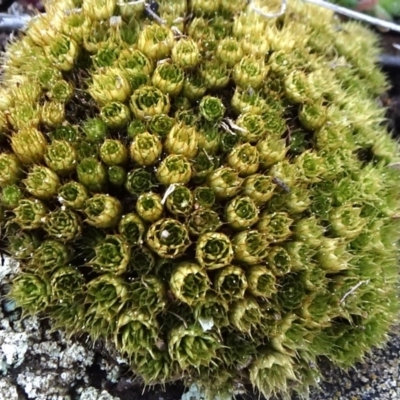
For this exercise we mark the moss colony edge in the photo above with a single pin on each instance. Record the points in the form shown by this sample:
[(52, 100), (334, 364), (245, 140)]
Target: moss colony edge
[(213, 195)]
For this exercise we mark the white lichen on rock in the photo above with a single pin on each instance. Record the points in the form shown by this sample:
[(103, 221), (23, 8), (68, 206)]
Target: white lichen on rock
[(8, 390), (92, 393), (13, 347)]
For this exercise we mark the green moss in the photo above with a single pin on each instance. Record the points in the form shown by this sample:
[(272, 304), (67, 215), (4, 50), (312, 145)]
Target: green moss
[(220, 204)]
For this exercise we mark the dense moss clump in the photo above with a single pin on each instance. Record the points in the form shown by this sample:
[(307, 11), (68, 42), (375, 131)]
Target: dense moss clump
[(212, 190)]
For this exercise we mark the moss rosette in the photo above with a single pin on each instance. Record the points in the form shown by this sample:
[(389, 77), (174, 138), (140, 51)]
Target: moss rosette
[(217, 191)]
